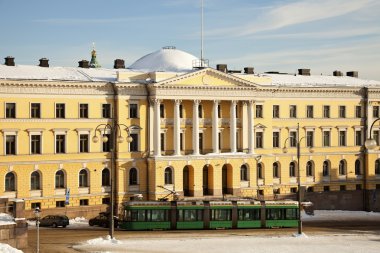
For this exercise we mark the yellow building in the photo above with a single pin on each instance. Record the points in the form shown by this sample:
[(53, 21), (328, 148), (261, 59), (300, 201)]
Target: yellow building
[(197, 133)]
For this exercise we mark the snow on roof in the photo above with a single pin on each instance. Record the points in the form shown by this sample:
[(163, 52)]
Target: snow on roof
[(167, 59), (297, 80)]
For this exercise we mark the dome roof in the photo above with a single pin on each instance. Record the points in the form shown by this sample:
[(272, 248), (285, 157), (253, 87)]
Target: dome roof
[(165, 59)]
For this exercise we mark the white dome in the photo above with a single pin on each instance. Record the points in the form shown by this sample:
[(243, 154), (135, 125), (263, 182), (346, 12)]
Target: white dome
[(166, 59)]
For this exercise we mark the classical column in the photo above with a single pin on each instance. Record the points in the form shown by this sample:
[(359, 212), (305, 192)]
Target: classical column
[(177, 126), (157, 128), (369, 118), (215, 127), (233, 126), (251, 131), (244, 126), (151, 126), (196, 127)]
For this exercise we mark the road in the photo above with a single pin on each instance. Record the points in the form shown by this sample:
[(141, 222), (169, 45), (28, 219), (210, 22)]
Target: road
[(61, 240)]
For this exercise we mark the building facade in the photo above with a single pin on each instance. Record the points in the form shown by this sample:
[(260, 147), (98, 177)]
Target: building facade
[(196, 133)]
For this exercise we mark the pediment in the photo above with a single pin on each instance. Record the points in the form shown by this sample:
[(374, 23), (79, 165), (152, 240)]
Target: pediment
[(206, 78)]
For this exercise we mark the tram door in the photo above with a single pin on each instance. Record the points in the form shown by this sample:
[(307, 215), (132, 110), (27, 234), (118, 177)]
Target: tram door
[(224, 180), (205, 181), (186, 179)]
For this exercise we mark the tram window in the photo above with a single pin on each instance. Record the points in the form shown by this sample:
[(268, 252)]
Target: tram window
[(221, 214), (189, 215), (291, 213), (275, 214), (137, 215), (159, 215), (249, 214)]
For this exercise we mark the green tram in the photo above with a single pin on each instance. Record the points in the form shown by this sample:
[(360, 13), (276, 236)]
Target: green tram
[(159, 215)]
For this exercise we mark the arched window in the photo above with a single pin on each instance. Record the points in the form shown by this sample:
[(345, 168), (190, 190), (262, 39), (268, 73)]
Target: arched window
[(377, 167), (309, 169), (168, 176), (260, 174), (357, 167), (243, 173), (59, 179), (83, 178), (35, 181), (106, 177), (276, 172), (10, 182), (133, 176), (292, 169), (326, 168), (342, 167)]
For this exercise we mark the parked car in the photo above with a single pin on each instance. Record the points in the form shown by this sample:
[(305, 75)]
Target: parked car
[(103, 220), (54, 221)]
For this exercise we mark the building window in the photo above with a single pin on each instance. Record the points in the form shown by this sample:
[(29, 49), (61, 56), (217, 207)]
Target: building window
[(133, 176), (200, 111), (60, 111), (326, 138), (162, 110), (10, 182), (259, 140), (181, 142), (375, 111), (83, 143), (342, 111), (293, 111), (358, 138), (292, 169), (60, 203), (106, 201), (106, 177), (293, 189), (342, 168), (377, 167), (83, 202), (326, 188), (358, 111), (309, 169), (83, 178), (260, 172), (106, 111), (59, 179), (276, 139), (10, 145), (35, 205), (106, 146), (326, 111), (310, 189), (293, 139), (133, 111), (259, 111), (168, 176), (162, 136), (342, 138), (35, 110), (326, 168), (201, 142), (134, 145), (276, 111), (342, 187), (357, 168), (219, 111), (309, 111), (181, 111), (10, 110), (310, 139), (35, 144), (60, 144), (358, 187), (83, 111), (243, 173), (276, 170), (35, 181)]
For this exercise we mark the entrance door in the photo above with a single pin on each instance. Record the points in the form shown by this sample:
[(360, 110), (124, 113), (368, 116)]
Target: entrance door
[(224, 180), (205, 181), (186, 178)]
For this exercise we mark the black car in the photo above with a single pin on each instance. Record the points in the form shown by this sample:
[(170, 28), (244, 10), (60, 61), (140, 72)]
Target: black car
[(102, 220), (54, 221)]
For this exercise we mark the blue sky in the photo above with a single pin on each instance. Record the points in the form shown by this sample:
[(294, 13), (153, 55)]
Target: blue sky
[(270, 35)]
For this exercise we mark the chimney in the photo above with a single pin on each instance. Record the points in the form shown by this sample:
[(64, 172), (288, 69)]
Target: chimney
[(9, 61), (353, 74), (337, 73), (119, 64), (84, 64), (44, 62), (249, 70), (222, 67), (304, 72)]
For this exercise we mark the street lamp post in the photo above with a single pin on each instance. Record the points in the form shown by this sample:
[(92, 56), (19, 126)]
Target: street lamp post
[(37, 213), (115, 132), (371, 143), (285, 150)]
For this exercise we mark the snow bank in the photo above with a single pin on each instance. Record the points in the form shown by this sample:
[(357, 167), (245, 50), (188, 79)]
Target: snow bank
[(5, 248), (6, 219), (339, 215), (103, 241)]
